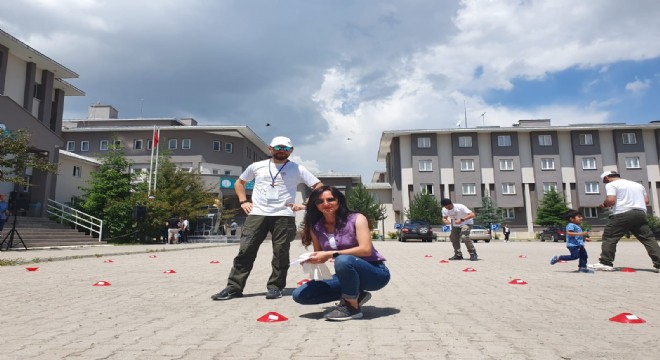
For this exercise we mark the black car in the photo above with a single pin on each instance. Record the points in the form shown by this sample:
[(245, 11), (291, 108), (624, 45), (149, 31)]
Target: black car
[(416, 229), (554, 233)]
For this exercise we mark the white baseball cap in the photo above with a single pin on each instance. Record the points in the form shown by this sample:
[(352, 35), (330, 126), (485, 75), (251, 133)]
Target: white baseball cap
[(281, 140), (607, 173)]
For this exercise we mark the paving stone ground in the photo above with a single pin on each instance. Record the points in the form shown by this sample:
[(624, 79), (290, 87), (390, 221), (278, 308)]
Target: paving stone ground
[(430, 310)]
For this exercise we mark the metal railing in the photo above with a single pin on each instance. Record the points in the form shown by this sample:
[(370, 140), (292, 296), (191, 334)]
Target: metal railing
[(67, 214)]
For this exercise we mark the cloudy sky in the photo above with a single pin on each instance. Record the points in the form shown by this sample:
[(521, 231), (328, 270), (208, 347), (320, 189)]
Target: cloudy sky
[(333, 75)]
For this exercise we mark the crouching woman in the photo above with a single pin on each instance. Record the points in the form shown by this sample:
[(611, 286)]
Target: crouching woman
[(338, 233)]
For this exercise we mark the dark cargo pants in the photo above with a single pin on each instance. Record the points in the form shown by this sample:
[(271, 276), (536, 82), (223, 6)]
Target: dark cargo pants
[(255, 229), (636, 222)]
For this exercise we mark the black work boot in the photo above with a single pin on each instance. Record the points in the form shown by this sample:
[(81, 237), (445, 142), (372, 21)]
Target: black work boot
[(473, 256), (458, 256)]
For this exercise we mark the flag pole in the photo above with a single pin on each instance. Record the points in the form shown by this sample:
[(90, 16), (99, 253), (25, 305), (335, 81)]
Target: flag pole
[(151, 162), (156, 173)]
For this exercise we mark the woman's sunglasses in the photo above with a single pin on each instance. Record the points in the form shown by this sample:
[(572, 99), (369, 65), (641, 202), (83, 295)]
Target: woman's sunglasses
[(282, 148), (321, 201)]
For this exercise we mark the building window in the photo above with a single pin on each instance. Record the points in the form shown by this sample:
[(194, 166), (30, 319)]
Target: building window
[(425, 165), (508, 189), (465, 141), (227, 172), (424, 142), (137, 144), (427, 189), (504, 140), (150, 144), (506, 164), (586, 139), (632, 162), (217, 146), (589, 163), (171, 144), (467, 165), (548, 187), (590, 212), (229, 147), (216, 172), (545, 140), (103, 145), (84, 146), (117, 144), (185, 144), (70, 146), (77, 171), (591, 187), (547, 164), (508, 213), (629, 138), (469, 189)]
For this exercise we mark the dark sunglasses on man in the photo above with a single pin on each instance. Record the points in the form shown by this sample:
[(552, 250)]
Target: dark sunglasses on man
[(282, 148)]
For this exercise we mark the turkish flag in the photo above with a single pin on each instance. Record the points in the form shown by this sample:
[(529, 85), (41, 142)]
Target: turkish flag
[(155, 138)]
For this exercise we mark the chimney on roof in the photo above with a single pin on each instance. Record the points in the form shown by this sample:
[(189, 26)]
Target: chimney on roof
[(189, 121), (98, 111)]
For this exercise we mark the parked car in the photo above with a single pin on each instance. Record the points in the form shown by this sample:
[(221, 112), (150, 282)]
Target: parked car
[(554, 233), (479, 232), (416, 229)]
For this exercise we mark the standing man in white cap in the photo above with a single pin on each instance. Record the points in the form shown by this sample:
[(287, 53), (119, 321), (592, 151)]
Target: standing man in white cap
[(628, 200), (270, 210)]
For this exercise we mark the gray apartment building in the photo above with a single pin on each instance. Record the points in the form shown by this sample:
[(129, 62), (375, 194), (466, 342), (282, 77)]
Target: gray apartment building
[(32, 92), (517, 165)]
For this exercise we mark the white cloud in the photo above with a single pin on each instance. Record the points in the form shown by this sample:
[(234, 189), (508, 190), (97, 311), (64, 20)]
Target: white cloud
[(638, 86)]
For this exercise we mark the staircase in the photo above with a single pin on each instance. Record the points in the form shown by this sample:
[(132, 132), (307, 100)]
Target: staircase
[(43, 232)]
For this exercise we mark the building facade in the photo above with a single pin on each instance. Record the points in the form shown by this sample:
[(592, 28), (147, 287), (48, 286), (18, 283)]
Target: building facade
[(517, 165), (32, 92)]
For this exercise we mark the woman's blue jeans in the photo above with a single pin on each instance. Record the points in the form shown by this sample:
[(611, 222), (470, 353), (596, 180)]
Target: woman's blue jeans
[(577, 252), (352, 276)]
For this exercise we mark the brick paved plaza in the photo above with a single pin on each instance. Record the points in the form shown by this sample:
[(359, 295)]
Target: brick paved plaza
[(430, 310)]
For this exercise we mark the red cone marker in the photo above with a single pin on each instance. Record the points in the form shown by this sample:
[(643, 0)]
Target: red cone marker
[(101, 283), (152, 256), (627, 318), (32, 268), (302, 282), (272, 317), (444, 261), (108, 261), (517, 282), (469, 270), (170, 271), (628, 270), (428, 256), (215, 262), (523, 256)]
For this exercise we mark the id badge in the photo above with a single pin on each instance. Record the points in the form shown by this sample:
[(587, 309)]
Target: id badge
[(272, 193)]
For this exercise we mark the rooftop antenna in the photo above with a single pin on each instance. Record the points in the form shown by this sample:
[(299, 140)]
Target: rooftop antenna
[(482, 119), (141, 106), (465, 110)]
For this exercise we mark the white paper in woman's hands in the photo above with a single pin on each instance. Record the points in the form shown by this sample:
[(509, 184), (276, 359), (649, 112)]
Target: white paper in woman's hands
[(314, 271)]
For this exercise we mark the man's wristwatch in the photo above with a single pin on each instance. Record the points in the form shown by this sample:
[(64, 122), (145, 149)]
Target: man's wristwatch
[(245, 201), (335, 254)]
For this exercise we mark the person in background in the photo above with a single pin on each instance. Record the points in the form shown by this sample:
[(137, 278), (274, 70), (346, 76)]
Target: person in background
[(460, 219), (574, 242), (185, 229), (628, 200), (233, 227), (271, 209), (343, 235), (507, 231), (172, 230), (4, 212)]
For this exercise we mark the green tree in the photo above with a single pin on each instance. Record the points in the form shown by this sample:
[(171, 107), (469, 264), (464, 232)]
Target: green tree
[(16, 155), (360, 200), (109, 195), (425, 207), (488, 213), (551, 210), (178, 192)]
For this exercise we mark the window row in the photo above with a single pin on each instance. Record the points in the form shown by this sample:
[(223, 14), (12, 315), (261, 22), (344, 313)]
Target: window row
[(543, 140), (138, 144), (546, 164)]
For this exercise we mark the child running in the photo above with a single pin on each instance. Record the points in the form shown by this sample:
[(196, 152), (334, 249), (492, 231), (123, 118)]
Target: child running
[(574, 242)]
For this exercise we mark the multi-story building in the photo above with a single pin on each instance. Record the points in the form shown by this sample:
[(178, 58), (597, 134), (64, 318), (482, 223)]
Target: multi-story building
[(517, 165), (216, 152), (32, 92)]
